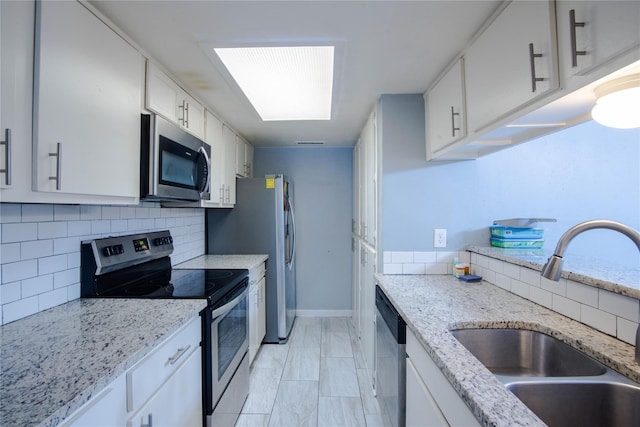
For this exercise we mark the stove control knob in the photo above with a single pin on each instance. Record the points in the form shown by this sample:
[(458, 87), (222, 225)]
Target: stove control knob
[(118, 249), (107, 251)]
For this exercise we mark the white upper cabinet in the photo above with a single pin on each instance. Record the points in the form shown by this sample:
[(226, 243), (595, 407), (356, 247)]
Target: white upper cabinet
[(213, 137), (592, 33), (513, 62), (88, 85), (229, 137), (244, 158), (445, 110), (167, 98)]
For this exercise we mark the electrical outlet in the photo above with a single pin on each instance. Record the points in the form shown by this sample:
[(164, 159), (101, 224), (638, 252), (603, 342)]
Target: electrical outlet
[(439, 237)]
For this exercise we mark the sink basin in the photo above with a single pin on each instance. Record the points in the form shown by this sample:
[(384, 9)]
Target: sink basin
[(581, 404), (520, 352)]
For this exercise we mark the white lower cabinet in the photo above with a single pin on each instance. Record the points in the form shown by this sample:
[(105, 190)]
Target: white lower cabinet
[(431, 399), (178, 402), (257, 309), (106, 409)]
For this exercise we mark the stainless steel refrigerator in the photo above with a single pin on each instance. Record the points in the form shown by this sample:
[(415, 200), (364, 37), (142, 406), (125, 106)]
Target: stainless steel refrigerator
[(262, 222)]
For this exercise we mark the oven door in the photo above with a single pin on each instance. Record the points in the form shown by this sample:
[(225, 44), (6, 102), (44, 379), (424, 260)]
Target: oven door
[(227, 329)]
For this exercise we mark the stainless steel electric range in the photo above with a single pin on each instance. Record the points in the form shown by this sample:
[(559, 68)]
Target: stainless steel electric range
[(139, 266)]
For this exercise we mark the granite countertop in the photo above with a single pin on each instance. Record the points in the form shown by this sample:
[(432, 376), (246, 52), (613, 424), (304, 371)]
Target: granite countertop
[(54, 361), (224, 261), (433, 305), (621, 279)]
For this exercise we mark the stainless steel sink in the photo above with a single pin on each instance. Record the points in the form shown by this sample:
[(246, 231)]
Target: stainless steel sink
[(581, 404), (520, 352)]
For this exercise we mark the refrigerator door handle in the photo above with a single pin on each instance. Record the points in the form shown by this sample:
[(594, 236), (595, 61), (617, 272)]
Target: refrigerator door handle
[(293, 236)]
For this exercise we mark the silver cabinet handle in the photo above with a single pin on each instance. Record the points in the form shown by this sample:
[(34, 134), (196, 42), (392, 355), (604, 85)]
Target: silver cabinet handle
[(532, 57), (221, 194), (7, 156), (183, 107), (572, 28), (142, 424), (58, 156), (178, 354), (186, 112), (228, 194), (453, 123)]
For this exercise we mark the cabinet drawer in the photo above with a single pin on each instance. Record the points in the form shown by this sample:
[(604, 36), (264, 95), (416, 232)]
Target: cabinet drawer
[(144, 378), (257, 273)]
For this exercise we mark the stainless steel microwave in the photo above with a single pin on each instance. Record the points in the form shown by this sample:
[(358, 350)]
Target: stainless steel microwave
[(174, 165)]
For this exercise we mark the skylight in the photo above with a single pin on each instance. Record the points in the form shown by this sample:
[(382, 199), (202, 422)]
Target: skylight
[(284, 83)]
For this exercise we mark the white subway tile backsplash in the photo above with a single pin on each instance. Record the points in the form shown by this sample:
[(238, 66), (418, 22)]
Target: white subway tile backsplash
[(520, 288), (52, 264), (424, 257), (37, 285), (65, 278), (19, 309), (566, 306), (530, 277), (482, 261), (606, 322), (9, 252), (511, 270), (11, 292), (447, 257), (437, 269), (619, 305), (541, 297), (496, 265), (559, 287), (52, 298), (582, 293), (391, 268), (89, 212), (10, 213), (37, 213), (36, 249), (66, 212), (48, 238), (502, 281), (413, 269), (626, 330), (401, 257), (19, 270), (51, 230), (19, 232)]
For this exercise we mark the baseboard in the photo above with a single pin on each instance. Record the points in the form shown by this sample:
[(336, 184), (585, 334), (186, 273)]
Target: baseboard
[(324, 313)]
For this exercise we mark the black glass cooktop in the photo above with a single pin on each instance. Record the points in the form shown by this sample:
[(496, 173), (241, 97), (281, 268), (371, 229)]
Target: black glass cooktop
[(158, 280)]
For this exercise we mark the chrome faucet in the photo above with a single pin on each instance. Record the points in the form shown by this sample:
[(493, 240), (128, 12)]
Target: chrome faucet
[(553, 268)]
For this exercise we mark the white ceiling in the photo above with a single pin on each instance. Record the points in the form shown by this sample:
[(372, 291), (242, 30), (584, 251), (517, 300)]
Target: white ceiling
[(382, 47)]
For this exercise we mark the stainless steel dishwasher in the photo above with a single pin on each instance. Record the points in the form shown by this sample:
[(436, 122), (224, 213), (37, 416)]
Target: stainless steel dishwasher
[(391, 340)]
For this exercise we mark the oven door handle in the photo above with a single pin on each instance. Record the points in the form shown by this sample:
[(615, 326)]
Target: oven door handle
[(220, 311)]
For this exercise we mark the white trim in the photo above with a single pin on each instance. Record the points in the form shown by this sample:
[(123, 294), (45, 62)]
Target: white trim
[(324, 313)]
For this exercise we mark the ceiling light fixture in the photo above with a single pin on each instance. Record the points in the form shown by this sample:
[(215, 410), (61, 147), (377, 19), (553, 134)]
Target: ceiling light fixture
[(618, 104), (284, 83)]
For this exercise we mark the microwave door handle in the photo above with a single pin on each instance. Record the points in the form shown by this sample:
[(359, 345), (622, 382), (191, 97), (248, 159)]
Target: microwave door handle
[(205, 188)]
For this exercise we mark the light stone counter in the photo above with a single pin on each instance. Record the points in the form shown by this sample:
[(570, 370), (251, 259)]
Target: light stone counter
[(433, 305), (624, 280), (224, 261), (54, 361)]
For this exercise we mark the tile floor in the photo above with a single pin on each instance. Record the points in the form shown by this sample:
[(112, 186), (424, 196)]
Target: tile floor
[(316, 379)]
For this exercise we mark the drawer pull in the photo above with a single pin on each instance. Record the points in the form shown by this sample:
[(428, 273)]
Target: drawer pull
[(142, 424), (7, 156), (173, 359)]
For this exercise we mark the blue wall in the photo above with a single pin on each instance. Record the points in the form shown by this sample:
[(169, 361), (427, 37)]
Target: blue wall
[(323, 195), (584, 172)]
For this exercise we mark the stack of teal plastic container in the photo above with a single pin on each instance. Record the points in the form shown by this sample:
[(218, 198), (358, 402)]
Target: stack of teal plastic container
[(518, 233)]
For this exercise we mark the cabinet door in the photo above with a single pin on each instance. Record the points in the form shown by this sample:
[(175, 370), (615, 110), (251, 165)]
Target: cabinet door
[(253, 323), (422, 410), (163, 96), (241, 164), (107, 409), (248, 159), (262, 310), (513, 62), (367, 310), (16, 82), (599, 31), (229, 138), (369, 177), (213, 137), (178, 402), (192, 116), (87, 104), (445, 111)]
